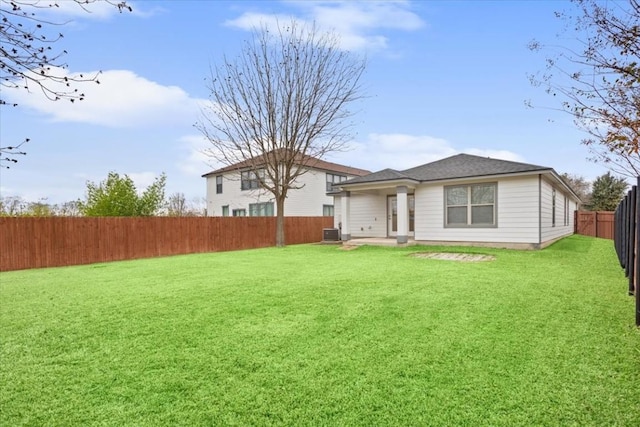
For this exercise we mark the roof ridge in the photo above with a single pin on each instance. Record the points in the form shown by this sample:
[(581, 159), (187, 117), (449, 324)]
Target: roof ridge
[(457, 166), (304, 159)]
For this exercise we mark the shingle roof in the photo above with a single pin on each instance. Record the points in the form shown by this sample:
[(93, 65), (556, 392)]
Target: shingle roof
[(458, 166), (383, 175), (308, 161)]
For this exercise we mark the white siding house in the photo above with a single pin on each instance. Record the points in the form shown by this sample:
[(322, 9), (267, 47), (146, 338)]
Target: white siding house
[(463, 199), (235, 191)]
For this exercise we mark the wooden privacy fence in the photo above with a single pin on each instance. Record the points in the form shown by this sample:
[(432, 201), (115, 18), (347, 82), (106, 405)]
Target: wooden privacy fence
[(595, 224), (627, 241), (27, 242)]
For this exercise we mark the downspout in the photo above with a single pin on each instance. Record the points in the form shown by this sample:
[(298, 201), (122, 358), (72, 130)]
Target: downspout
[(539, 210)]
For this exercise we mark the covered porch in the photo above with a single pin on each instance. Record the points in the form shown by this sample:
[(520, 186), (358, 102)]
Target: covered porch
[(377, 213)]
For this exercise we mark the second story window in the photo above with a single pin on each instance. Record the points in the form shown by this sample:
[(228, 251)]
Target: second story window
[(219, 184), (250, 180), (333, 179)]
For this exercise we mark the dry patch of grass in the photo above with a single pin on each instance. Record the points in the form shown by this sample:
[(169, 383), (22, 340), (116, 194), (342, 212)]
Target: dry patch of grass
[(348, 247), (451, 256)]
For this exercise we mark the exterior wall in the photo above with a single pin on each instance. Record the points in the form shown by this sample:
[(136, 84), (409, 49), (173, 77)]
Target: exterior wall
[(548, 231), (232, 195), (307, 201), (517, 214), (368, 215)]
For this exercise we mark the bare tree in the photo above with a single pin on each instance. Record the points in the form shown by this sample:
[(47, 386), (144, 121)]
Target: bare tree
[(599, 83), (8, 154), (12, 206), (280, 104), (579, 185), (70, 208), (178, 205), (31, 59)]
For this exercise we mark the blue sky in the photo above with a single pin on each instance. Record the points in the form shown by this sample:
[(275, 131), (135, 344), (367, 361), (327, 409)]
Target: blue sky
[(442, 78)]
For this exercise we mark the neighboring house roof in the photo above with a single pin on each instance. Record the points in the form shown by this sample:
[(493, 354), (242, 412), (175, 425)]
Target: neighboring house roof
[(308, 161), (455, 167)]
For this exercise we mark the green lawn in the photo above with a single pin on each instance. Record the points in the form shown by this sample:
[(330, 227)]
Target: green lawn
[(315, 335)]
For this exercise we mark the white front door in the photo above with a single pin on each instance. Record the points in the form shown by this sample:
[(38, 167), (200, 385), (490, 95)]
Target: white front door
[(392, 215)]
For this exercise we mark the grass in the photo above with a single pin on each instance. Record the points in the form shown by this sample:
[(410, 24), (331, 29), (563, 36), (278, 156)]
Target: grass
[(313, 335)]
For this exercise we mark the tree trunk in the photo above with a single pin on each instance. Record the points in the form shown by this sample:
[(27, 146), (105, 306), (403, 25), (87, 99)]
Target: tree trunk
[(280, 241)]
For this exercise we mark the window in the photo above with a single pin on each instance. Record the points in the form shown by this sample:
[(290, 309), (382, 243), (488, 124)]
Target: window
[(225, 210), (327, 210), (261, 209), (239, 212), (470, 205), (566, 211), (250, 180), (553, 207), (219, 184), (334, 179)]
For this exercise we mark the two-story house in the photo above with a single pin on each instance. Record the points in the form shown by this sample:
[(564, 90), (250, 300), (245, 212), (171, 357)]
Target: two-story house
[(235, 190)]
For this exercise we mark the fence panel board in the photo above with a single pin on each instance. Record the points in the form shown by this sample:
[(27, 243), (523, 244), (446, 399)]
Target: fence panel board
[(596, 224), (627, 240), (28, 242), (605, 224)]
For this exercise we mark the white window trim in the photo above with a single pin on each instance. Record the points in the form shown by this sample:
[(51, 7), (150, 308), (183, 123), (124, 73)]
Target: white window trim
[(469, 206), (257, 206), (254, 182), (332, 179)]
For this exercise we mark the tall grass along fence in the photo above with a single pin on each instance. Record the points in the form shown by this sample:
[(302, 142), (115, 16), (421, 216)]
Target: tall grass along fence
[(57, 241), (595, 224), (627, 241)]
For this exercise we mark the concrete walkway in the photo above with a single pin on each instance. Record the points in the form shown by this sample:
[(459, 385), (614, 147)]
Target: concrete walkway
[(377, 241)]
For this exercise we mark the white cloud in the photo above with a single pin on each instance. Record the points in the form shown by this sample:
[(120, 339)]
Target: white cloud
[(66, 10), (142, 179), (50, 193), (98, 10), (359, 24), (402, 151), (251, 21), (122, 99), (196, 162), (356, 21)]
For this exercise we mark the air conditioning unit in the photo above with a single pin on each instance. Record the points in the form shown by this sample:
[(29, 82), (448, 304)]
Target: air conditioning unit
[(330, 234)]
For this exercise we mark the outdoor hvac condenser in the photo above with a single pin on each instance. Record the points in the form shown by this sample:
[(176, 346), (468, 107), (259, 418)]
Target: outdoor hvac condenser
[(330, 234)]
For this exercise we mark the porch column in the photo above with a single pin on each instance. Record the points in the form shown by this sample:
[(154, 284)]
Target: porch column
[(403, 214), (345, 207)]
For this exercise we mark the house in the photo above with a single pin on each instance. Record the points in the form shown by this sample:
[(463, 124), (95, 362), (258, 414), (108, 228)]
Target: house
[(235, 190), (463, 199)]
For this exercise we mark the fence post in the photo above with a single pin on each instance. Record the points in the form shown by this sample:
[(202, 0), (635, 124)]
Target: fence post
[(632, 237), (634, 285), (625, 236), (616, 231)]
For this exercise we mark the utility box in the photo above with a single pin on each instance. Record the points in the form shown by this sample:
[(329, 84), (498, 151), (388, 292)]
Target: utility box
[(330, 234)]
